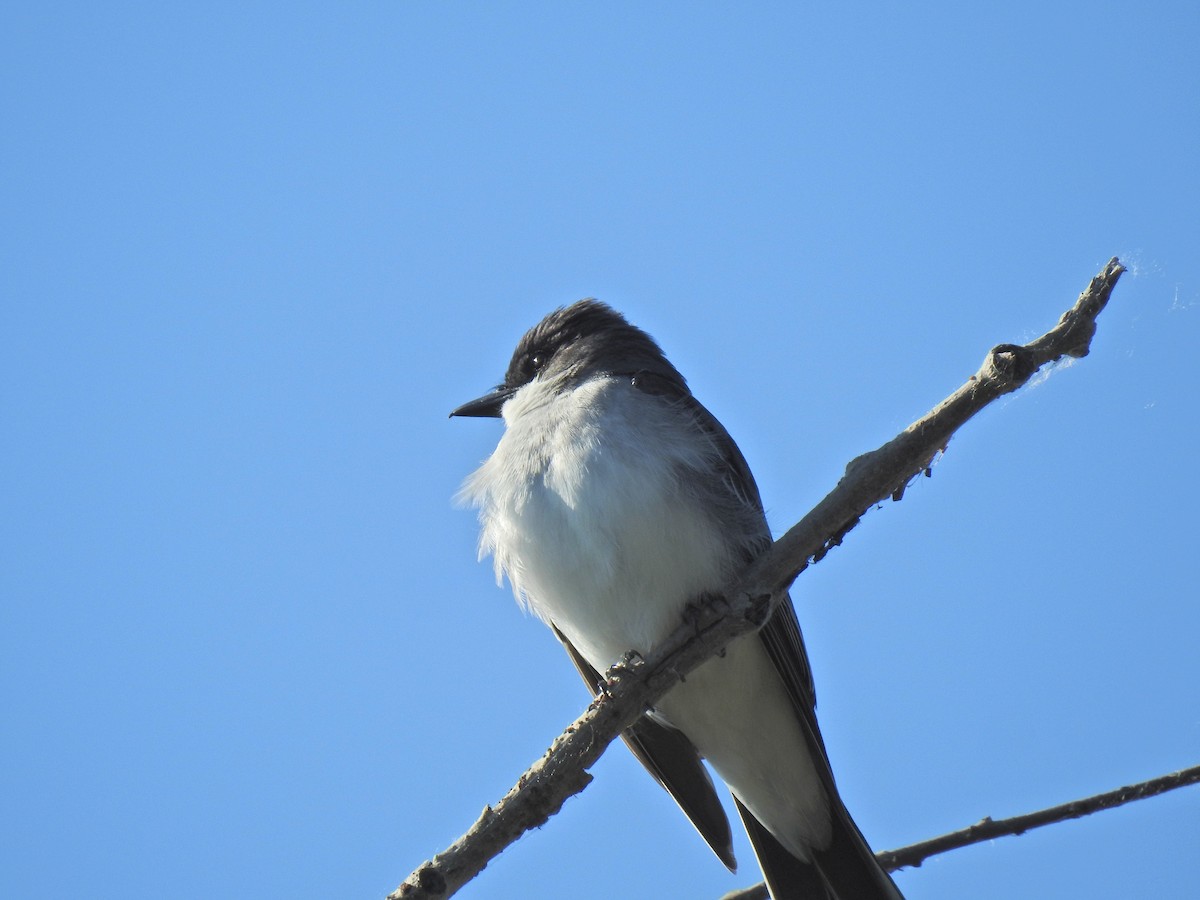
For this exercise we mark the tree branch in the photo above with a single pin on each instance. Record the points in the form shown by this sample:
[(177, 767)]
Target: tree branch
[(988, 828), (637, 684)]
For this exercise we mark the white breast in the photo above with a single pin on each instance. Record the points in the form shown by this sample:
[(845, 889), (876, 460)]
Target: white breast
[(583, 511)]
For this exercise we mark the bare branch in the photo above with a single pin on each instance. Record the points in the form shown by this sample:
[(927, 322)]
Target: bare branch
[(754, 892), (886, 472), (988, 828), (636, 685)]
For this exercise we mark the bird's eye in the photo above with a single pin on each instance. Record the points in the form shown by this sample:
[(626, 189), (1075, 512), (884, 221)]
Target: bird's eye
[(537, 361)]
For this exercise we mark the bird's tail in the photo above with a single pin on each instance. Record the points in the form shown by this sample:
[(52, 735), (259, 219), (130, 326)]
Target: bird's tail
[(845, 870)]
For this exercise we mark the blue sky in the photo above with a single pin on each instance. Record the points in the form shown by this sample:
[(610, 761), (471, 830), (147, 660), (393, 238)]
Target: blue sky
[(253, 256)]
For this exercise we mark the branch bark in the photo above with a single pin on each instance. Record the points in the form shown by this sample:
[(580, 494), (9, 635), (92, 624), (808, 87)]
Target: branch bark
[(637, 684), (988, 828)]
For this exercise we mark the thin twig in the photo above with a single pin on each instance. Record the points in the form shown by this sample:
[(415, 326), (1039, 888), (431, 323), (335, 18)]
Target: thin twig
[(988, 828), (637, 685)]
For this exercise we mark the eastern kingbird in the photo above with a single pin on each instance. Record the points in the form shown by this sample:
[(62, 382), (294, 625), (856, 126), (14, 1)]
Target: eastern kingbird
[(613, 500)]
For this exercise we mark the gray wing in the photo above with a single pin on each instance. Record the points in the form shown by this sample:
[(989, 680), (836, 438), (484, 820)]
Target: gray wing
[(740, 497), (847, 869), (674, 763)]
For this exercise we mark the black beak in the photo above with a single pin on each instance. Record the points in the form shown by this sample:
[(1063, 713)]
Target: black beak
[(487, 406)]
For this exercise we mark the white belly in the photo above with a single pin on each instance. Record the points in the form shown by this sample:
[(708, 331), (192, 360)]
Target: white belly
[(596, 536), (736, 712)]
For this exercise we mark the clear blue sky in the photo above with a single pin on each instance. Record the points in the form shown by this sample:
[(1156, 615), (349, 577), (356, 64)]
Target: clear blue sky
[(253, 255)]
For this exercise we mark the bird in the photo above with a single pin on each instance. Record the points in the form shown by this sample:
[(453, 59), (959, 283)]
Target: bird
[(613, 502)]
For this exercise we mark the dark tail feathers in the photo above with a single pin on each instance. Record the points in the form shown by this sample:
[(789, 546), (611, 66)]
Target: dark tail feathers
[(845, 870)]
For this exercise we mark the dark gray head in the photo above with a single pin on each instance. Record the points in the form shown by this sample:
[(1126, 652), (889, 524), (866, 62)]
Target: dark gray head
[(575, 343)]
